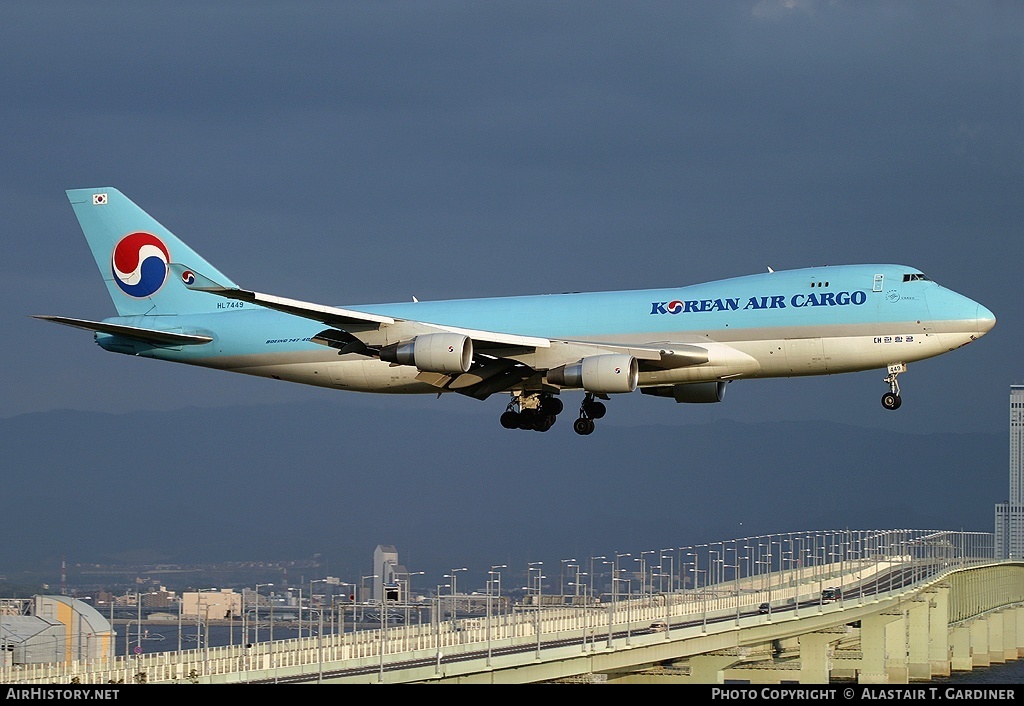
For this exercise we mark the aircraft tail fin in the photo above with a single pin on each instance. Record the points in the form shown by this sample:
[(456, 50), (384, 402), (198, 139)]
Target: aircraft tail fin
[(133, 251)]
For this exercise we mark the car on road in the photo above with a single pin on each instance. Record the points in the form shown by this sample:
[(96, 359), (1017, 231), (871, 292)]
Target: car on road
[(658, 626), (764, 608)]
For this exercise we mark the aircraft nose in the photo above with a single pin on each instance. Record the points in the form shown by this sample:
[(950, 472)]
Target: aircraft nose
[(986, 320)]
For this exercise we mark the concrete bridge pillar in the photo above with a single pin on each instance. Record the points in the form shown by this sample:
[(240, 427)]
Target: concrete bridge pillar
[(897, 650), (960, 658), (996, 637), (979, 642), (875, 650), (919, 664), (1018, 614), (815, 661), (707, 669), (938, 632), (1010, 638)]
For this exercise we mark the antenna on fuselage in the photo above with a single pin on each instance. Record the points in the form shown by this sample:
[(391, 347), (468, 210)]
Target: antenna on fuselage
[(770, 268)]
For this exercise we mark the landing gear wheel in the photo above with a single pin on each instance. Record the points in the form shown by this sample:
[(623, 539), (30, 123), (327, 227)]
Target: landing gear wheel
[(891, 401), (510, 419), (544, 423), (583, 426), (528, 420), (552, 406)]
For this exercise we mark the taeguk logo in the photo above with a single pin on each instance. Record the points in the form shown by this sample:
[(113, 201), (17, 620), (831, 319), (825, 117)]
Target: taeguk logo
[(139, 264)]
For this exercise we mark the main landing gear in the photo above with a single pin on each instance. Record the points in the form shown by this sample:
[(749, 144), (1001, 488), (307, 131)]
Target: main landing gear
[(892, 399), (590, 410), (536, 411)]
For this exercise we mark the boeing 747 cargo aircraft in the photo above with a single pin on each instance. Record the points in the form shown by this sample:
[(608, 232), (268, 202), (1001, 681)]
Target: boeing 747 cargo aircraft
[(684, 343)]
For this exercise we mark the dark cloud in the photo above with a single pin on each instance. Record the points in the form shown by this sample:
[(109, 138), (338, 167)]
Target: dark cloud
[(363, 152)]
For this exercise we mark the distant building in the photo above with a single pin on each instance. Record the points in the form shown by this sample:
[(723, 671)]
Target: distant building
[(52, 629), (160, 599), (1009, 518), (211, 605), (387, 572)]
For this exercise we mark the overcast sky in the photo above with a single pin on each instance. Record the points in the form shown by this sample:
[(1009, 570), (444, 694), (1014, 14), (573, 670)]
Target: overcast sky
[(357, 152)]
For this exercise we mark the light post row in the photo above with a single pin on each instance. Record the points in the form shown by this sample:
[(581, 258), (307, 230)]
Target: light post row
[(773, 565)]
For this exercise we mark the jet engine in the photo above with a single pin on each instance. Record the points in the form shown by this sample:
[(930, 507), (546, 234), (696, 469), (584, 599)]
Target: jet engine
[(432, 353), (599, 373)]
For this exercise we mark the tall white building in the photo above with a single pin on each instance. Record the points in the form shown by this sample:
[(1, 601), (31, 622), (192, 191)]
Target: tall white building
[(1010, 515), (388, 573)]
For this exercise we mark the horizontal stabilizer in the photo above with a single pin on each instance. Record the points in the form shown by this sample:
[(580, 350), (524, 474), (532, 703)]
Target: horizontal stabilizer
[(146, 335)]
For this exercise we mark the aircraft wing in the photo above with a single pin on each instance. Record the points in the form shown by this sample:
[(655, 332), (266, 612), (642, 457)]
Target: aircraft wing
[(496, 370), (146, 335), (349, 320)]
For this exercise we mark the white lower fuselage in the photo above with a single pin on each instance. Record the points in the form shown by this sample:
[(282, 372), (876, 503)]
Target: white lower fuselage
[(817, 321)]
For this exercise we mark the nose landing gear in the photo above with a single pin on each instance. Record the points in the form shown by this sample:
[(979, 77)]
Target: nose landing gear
[(891, 400)]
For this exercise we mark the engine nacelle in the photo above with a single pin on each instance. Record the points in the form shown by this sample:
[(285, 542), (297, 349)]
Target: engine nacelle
[(599, 373), (694, 392), (432, 353)]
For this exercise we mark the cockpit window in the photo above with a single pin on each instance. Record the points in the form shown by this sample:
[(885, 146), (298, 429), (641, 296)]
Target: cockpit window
[(914, 277)]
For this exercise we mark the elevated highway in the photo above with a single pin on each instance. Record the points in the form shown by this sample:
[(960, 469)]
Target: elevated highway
[(913, 606)]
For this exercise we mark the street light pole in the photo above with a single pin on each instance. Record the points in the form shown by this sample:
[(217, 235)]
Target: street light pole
[(343, 609), (199, 634), (138, 631), (362, 596), (540, 583), (561, 582), (629, 590), (437, 625), (671, 568), (703, 596), (320, 645), (455, 606), (311, 582), (256, 619), (592, 573), (643, 573), (179, 622), (611, 603), (405, 596), (490, 590)]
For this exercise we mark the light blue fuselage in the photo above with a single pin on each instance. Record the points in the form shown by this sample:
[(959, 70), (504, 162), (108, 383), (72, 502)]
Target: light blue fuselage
[(797, 322)]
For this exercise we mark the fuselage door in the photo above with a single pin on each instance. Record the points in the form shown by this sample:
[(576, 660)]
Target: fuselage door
[(879, 282)]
